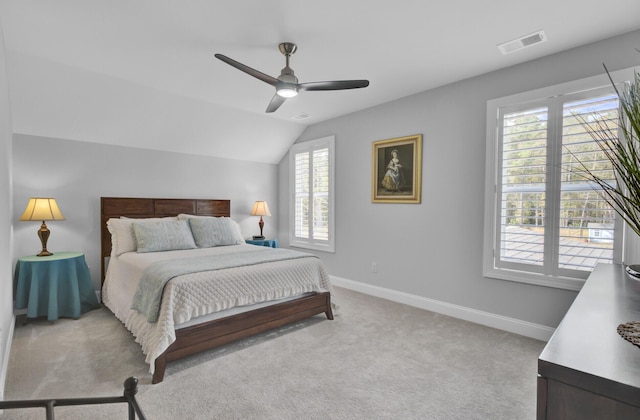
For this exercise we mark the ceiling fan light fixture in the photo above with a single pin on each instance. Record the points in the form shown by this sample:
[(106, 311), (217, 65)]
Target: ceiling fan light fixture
[(287, 91)]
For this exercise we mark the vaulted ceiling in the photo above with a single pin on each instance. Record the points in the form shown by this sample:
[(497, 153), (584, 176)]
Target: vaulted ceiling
[(142, 73)]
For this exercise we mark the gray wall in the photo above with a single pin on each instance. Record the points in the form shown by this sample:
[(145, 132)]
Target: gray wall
[(77, 174), (6, 288), (434, 249)]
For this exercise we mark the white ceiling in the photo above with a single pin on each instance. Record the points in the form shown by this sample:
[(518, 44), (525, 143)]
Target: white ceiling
[(402, 47)]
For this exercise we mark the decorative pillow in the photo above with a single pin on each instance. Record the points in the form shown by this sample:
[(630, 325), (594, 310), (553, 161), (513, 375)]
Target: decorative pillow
[(215, 231), (165, 235), (122, 237)]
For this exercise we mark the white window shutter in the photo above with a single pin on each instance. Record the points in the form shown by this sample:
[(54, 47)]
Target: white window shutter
[(312, 224), (547, 224)]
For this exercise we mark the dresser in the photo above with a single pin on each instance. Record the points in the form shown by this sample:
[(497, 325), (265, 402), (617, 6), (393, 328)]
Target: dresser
[(587, 370)]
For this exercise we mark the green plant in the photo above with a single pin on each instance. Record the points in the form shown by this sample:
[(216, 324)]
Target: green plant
[(623, 152)]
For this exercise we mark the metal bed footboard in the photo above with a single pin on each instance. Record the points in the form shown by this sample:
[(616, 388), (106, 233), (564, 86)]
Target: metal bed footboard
[(129, 397)]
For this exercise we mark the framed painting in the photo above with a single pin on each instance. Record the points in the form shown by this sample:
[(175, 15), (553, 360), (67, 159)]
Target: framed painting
[(397, 170)]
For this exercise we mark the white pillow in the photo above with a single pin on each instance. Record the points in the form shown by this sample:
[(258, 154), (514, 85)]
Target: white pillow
[(215, 231), (122, 237), (163, 235), (184, 216)]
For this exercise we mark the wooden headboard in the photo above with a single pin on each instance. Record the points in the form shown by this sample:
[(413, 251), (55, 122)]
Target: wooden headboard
[(152, 207)]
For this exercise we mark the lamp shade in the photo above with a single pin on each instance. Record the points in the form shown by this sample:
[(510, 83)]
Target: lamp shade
[(42, 209), (260, 208)]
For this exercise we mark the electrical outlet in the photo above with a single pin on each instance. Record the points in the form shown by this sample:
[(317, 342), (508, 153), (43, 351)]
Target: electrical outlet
[(374, 267)]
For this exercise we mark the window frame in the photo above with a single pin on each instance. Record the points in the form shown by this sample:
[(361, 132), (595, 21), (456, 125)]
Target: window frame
[(308, 147), (569, 281)]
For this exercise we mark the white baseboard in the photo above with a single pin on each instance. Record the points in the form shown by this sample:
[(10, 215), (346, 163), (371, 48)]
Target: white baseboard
[(513, 325), (5, 358)]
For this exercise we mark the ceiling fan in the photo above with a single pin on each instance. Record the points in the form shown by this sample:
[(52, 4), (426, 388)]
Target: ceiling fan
[(286, 84)]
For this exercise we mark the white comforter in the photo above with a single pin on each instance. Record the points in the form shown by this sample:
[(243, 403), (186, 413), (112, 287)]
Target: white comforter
[(196, 295)]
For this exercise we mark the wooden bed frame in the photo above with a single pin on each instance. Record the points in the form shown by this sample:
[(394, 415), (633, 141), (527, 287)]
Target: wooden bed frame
[(205, 336)]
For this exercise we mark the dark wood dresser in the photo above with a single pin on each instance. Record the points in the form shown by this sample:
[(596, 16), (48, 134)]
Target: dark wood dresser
[(587, 370)]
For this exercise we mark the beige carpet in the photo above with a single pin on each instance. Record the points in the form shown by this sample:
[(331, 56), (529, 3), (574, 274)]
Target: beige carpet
[(376, 360)]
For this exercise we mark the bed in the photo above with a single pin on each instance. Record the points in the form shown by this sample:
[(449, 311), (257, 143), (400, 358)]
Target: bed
[(188, 331)]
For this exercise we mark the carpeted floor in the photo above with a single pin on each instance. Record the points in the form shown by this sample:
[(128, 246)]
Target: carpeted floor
[(377, 360)]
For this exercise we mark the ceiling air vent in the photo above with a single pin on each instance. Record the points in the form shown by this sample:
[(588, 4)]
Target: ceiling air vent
[(522, 42), (300, 116)]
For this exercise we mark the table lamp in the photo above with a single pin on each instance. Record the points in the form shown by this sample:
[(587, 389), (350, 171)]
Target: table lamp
[(42, 209), (260, 208)]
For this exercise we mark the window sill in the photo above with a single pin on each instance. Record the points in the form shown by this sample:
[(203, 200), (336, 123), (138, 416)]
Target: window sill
[(315, 247), (556, 282)]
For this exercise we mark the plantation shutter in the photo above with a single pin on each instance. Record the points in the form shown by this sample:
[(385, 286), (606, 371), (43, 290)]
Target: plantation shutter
[(586, 220), (319, 229), (523, 185), (312, 194), (302, 195), (550, 220)]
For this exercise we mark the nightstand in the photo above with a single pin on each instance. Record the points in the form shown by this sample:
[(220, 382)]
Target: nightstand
[(271, 243), (55, 286)]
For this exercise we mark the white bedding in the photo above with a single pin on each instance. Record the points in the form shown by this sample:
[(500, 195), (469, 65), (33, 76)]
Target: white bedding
[(194, 298)]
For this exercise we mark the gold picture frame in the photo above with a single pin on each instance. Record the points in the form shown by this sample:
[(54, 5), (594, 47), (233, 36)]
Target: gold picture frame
[(397, 170)]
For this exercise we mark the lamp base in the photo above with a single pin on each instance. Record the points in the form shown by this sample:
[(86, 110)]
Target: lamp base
[(257, 237), (43, 234)]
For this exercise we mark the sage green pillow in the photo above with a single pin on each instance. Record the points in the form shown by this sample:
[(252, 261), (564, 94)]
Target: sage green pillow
[(215, 231), (166, 235)]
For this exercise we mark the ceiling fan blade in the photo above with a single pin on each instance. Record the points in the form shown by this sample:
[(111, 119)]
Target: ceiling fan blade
[(334, 85), (275, 103), (252, 72)]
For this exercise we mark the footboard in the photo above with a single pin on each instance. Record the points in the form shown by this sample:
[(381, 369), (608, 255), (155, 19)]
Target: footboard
[(222, 331)]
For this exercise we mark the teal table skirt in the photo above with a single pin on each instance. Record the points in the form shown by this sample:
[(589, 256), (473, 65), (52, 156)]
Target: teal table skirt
[(55, 286), (271, 243)]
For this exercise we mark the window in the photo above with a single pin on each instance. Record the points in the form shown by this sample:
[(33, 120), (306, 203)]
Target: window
[(312, 223), (544, 223)]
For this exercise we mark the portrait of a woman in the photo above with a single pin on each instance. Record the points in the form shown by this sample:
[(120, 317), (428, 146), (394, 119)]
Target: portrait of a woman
[(394, 177), (397, 170)]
